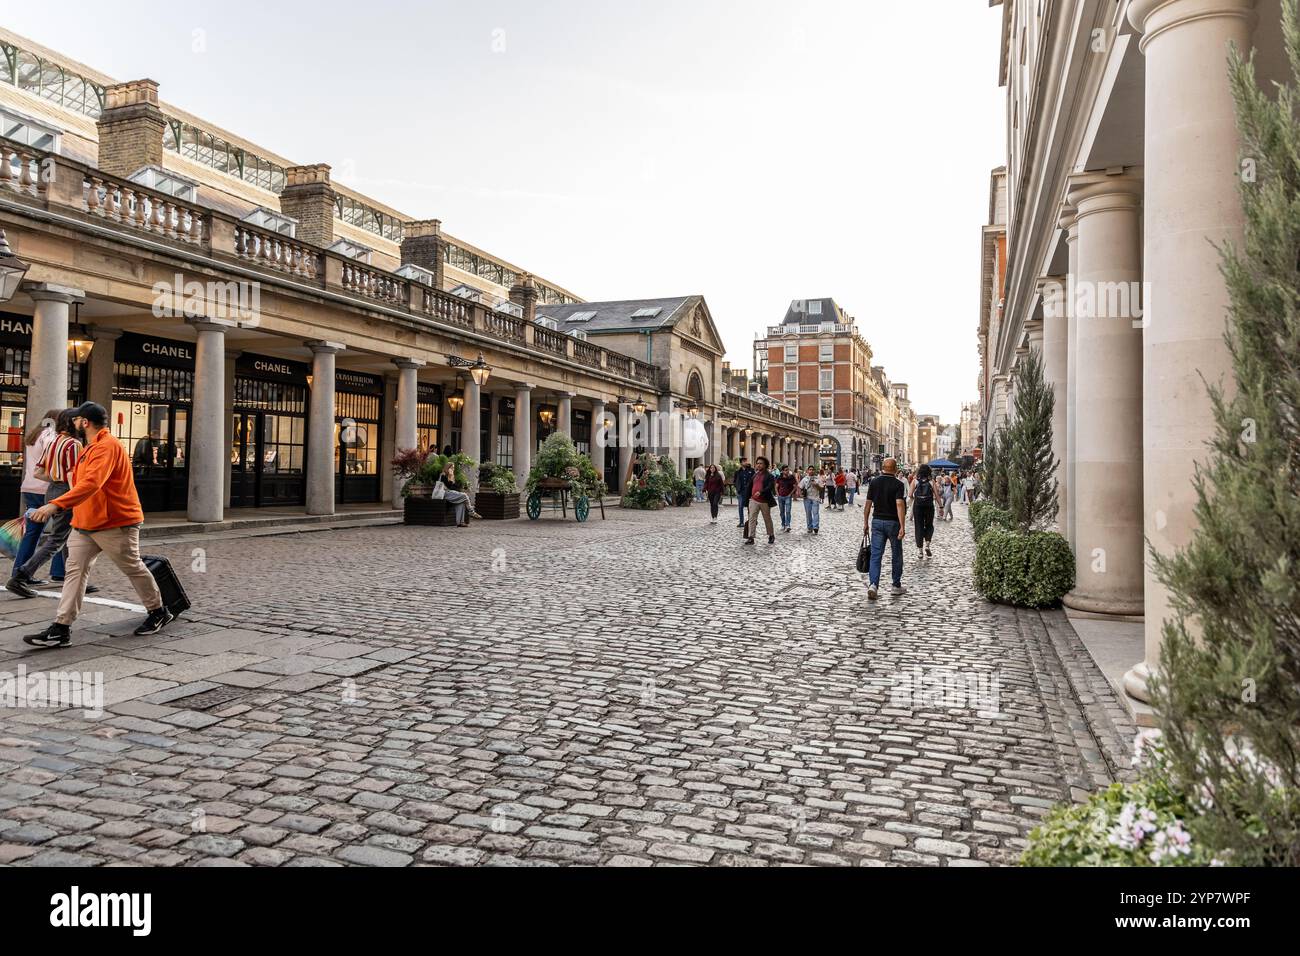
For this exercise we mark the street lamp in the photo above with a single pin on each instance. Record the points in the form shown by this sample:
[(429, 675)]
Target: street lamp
[(12, 270), (79, 350), (456, 400), (693, 411), (639, 406), (479, 370)]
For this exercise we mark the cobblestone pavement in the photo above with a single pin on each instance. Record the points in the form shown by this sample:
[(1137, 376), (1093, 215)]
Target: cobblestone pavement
[(638, 691)]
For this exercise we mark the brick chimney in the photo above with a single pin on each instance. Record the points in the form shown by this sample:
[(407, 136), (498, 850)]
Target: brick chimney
[(423, 246), (524, 294), (131, 128), (309, 198)]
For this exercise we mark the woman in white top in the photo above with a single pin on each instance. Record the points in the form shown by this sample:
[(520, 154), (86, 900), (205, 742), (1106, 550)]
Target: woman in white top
[(39, 439)]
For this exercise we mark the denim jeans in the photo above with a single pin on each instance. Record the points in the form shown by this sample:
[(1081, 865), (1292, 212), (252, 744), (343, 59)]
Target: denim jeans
[(53, 542), (786, 509), (812, 512), (32, 534), (881, 532), (852, 493), (743, 503), (699, 491)]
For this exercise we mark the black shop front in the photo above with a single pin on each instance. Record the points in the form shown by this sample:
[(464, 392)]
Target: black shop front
[(358, 404), (268, 452), (153, 396)]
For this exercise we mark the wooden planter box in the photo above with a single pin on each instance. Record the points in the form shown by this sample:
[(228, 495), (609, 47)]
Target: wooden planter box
[(494, 506), (426, 511)]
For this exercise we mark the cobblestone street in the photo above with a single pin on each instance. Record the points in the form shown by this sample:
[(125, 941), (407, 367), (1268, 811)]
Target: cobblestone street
[(638, 691)]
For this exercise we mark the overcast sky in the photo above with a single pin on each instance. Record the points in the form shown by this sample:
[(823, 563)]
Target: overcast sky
[(753, 151)]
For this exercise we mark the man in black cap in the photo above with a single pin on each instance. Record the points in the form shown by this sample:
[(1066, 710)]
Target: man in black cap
[(106, 517)]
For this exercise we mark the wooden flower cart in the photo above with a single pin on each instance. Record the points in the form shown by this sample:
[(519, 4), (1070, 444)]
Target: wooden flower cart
[(559, 490)]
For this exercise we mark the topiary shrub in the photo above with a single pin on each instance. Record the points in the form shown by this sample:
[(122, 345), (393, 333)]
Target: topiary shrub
[(1024, 568), (985, 516)]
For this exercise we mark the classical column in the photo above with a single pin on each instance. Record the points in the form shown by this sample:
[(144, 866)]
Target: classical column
[(471, 434), (1051, 290), (626, 422), (523, 433), (48, 371), (677, 424), (208, 452), (494, 426), (565, 403), (1108, 439), (1070, 223), (100, 387), (599, 436), (1034, 329), (1192, 172), (408, 387), (321, 466)]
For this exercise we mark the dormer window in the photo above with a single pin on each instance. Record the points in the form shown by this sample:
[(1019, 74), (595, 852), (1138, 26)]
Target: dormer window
[(510, 308), (353, 250), (417, 274), (30, 132), (158, 179), (275, 222), (581, 317), (468, 292)]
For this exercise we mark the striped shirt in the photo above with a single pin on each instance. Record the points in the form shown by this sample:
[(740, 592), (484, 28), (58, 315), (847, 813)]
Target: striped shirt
[(61, 459)]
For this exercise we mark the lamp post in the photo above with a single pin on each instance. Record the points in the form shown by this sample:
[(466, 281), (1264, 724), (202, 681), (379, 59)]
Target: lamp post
[(479, 370), (12, 270)]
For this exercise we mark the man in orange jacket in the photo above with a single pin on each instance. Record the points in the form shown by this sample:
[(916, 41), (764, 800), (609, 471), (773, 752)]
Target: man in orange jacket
[(106, 516)]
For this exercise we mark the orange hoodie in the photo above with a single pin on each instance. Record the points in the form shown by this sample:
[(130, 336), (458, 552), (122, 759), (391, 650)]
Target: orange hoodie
[(103, 488)]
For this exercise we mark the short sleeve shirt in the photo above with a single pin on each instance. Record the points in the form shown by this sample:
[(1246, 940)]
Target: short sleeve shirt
[(885, 492)]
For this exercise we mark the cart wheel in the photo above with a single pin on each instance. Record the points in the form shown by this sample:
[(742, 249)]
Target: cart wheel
[(581, 508), (534, 506)]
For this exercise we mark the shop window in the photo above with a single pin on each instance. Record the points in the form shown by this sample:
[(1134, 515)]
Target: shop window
[(356, 434)]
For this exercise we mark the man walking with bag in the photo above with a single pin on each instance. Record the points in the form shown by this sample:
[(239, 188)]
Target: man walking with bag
[(106, 517), (887, 497)]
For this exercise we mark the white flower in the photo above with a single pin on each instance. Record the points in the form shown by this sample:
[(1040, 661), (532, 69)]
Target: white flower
[(1170, 843)]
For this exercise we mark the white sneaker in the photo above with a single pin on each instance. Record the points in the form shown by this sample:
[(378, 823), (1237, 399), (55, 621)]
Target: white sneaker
[(872, 593), (898, 589)]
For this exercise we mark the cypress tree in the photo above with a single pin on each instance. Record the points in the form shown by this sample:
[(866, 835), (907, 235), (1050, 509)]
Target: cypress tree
[(1228, 686), (1030, 466)]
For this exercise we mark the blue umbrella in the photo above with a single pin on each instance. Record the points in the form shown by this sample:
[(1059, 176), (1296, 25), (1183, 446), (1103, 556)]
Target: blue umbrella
[(945, 465)]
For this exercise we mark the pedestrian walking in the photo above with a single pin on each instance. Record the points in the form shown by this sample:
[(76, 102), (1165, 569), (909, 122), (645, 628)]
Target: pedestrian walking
[(851, 486), (786, 486), (924, 494), (714, 486), (58, 466), (700, 473), (106, 516), (744, 487), (949, 492), (762, 499), (34, 487), (887, 499), (810, 492), (841, 489)]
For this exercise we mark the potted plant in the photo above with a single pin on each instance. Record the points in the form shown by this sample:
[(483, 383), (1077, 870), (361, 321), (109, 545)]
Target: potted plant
[(498, 493), (407, 464)]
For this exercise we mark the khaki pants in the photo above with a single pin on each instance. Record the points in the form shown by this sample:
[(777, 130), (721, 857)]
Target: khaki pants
[(757, 508), (122, 545)]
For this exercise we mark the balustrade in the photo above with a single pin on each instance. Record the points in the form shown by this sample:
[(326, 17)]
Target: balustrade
[(549, 340), (505, 326), (22, 170), (276, 252), (125, 202)]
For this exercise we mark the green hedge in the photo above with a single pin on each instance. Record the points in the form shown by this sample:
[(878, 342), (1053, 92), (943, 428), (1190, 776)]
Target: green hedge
[(985, 515), (1024, 568)]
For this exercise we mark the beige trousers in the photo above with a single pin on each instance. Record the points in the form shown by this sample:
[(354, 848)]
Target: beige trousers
[(757, 508), (122, 545)]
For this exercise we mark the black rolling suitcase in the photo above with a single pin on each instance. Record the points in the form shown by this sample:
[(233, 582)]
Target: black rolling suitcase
[(173, 595)]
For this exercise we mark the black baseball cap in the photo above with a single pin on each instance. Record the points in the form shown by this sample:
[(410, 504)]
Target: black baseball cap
[(92, 412)]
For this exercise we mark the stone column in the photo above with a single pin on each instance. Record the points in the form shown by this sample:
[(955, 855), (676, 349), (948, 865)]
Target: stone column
[(1034, 329), (625, 425), (471, 434), (1051, 290), (321, 466), (405, 437), (494, 427), (49, 364), (1192, 173), (209, 455), (388, 448), (100, 367), (523, 433), (1108, 439), (1070, 223), (565, 404), (599, 437), (677, 425)]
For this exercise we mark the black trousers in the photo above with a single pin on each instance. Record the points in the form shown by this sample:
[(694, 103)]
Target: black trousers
[(715, 501), (923, 516)]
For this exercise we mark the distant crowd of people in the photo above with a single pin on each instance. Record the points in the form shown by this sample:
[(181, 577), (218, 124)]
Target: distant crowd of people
[(887, 497)]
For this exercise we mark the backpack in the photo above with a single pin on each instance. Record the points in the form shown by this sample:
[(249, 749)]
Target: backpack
[(924, 491)]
